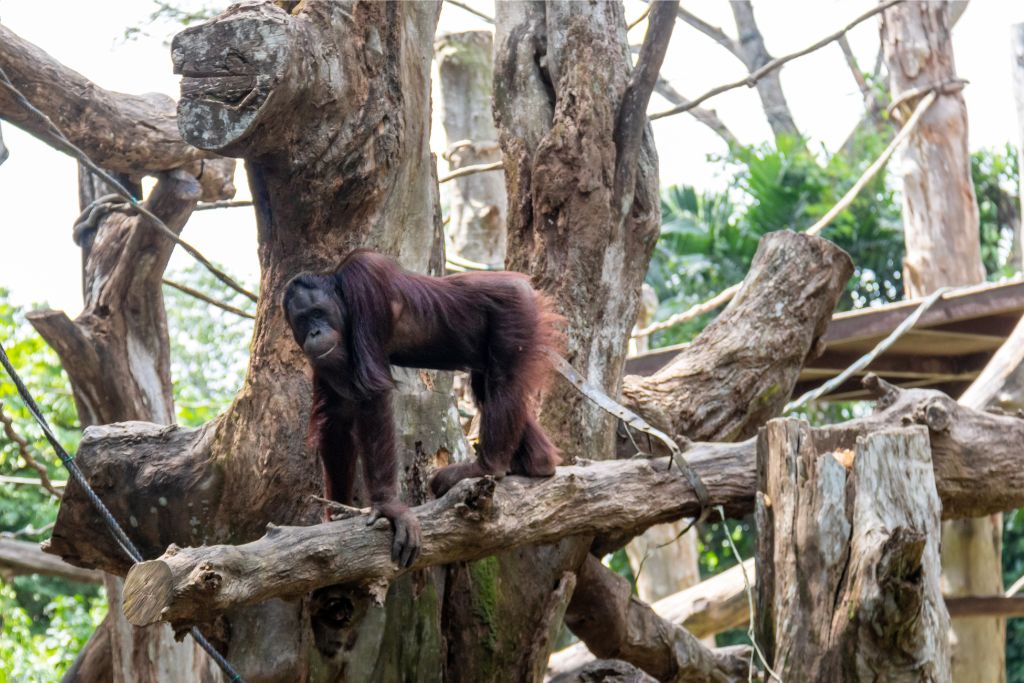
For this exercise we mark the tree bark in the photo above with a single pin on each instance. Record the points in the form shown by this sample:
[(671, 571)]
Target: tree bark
[(940, 223), (740, 371), (130, 134), (583, 207), (849, 561), (1017, 67), (477, 203)]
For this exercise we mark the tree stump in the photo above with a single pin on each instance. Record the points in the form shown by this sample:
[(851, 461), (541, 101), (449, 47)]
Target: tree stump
[(848, 557)]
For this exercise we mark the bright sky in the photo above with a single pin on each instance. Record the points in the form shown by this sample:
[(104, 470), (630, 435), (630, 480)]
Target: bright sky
[(38, 186)]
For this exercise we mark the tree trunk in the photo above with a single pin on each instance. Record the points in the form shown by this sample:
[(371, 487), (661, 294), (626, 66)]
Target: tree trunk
[(1017, 66), (848, 562), (583, 218), (333, 122), (117, 355), (477, 203), (940, 222)]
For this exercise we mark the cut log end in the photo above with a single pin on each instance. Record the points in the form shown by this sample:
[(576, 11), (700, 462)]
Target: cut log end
[(147, 592)]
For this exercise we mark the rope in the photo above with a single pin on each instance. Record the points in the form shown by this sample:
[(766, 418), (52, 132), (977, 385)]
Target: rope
[(750, 605), (69, 147), (870, 356), (631, 419), (115, 529)]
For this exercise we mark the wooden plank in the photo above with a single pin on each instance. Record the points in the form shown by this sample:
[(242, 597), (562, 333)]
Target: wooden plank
[(976, 302)]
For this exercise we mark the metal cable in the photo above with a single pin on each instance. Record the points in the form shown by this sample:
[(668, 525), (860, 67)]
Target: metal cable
[(115, 529)]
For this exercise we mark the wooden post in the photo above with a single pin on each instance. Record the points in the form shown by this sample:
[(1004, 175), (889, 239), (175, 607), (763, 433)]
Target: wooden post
[(848, 557)]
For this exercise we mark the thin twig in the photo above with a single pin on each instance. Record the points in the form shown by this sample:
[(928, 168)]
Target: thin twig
[(709, 117), (751, 80), (25, 453), (462, 5), (713, 32), (65, 145), (643, 15), (727, 294), (851, 61), (470, 170), (223, 204), (202, 297)]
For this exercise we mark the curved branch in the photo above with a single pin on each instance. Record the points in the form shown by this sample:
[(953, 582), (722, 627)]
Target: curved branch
[(129, 134)]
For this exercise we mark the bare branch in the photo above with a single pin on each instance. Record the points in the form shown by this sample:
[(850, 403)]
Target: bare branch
[(706, 116), (470, 170), (25, 557), (26, 453), (213, 302), (123, 133), (716, 34), (632, 117), (751, 80), (466, 6)]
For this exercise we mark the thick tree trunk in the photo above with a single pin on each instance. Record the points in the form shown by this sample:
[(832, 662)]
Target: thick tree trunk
[(330, 107), (849, 560), (477, 203), (940, 222), (1017, 66), (583, 216)]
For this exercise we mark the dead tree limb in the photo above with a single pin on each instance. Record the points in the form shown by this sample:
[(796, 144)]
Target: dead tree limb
[(130, 134), (709, 607), (25, 557), (709, 117)]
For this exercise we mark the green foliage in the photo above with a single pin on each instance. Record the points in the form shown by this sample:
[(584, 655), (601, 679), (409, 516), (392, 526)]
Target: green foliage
[(709, 239), (996, 177), (43, 620), (209, 346), (1013, 568), (40, 650)]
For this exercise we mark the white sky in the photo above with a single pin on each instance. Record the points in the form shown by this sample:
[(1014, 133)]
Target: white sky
[(38, 186)]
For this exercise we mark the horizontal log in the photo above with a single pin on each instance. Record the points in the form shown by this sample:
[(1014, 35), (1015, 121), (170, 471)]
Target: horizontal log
[(476, 519), (26, 557), (975, 458)]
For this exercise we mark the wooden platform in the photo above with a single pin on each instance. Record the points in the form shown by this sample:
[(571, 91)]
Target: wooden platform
[(945, 350)]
